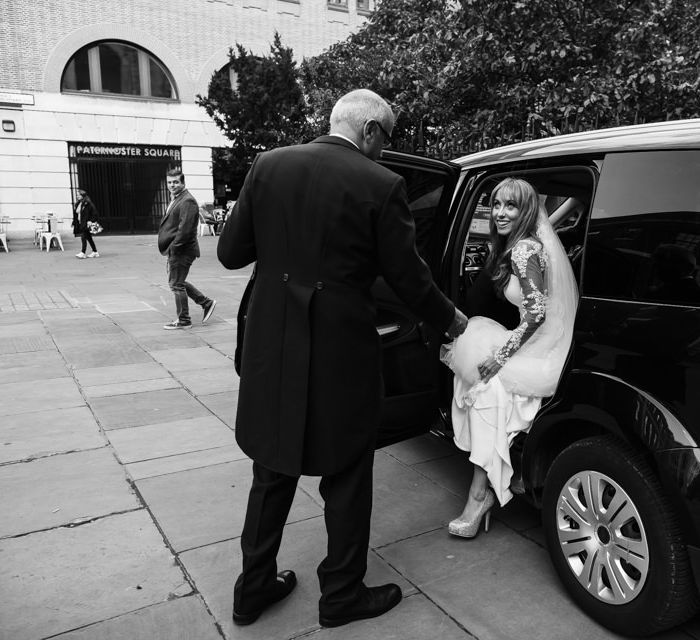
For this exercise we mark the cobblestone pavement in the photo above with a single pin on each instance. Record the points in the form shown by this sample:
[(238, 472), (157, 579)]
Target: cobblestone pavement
[(123, 489)]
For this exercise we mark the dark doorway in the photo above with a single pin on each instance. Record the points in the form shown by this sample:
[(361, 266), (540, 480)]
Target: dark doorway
[(130, 193)]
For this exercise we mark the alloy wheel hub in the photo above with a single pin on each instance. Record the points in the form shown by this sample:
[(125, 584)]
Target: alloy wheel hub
[(602, 537)]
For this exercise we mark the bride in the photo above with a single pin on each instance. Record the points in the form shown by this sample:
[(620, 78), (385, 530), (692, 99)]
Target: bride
[(501, 376)]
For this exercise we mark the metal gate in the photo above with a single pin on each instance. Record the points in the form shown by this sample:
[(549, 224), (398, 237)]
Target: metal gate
[(126, 183)]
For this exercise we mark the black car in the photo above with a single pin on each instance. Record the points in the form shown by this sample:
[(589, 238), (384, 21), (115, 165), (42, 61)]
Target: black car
[(612, 458)]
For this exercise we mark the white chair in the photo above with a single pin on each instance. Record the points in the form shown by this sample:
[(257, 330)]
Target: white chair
[(204, 225), (48, 236), (4, 221), (39, 228)]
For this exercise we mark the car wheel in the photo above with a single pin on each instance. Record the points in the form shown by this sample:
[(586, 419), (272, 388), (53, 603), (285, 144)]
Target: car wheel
[(615, 540)]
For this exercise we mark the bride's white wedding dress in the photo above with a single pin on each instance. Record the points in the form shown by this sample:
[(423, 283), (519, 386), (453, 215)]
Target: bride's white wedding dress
[(486, 416)]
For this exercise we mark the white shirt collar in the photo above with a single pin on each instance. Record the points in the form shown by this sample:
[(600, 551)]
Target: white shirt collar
[(340, 135)]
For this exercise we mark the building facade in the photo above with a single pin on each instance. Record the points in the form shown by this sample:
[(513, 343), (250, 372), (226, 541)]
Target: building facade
[(100, 95)]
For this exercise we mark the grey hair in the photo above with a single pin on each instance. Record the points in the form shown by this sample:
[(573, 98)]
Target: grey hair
[(359, 106)]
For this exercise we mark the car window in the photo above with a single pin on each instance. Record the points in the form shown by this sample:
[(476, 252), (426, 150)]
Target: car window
[(565, 193), (424, 193), (644, 237)]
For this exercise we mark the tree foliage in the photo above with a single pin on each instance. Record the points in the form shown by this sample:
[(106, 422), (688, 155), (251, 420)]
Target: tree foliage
[(265, 109), (476, 73), (401, 53), (495, 72)]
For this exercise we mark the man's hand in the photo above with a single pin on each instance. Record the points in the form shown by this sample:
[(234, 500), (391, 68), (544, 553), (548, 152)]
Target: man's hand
[(458, 325)]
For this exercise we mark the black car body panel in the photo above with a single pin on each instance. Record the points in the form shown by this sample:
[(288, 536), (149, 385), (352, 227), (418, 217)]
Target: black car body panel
[(626, 203)]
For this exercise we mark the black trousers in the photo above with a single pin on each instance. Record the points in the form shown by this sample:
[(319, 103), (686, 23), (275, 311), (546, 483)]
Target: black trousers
[(86, 237), (348, 508)]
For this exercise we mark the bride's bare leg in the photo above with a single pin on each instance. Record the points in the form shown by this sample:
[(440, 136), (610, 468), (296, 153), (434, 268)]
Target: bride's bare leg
[(478, 507), (477, 492)]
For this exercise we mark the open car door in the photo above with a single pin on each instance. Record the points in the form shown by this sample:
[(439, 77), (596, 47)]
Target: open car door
[(411, 365)]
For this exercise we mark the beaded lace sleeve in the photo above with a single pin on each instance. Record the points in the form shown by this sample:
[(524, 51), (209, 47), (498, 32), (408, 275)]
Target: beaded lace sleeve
[(528, 262)]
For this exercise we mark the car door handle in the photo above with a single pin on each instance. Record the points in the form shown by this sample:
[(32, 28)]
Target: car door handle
[(386, 329)]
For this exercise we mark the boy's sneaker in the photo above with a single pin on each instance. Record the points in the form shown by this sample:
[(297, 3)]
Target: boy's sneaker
[(176, 324), (80, 255), (94, 254), (208, 310)]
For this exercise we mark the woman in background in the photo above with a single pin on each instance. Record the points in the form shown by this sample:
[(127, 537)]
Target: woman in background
[(84, 212)]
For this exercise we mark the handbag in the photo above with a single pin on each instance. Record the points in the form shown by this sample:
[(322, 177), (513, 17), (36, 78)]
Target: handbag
[(95, 227)]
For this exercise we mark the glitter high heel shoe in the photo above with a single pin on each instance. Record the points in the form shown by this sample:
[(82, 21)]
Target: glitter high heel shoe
[(470, 528)]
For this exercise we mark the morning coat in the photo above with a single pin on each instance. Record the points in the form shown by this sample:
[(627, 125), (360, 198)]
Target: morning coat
[(322, 221)]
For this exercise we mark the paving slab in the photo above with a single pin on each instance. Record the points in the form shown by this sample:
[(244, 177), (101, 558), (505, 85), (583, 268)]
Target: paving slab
[(453, 473), (468, 579), (32, 328), (399, 501), (91, 325), (184, 359), (104, 351), (209, 381), (222, 405), (62, 489), (201, 506), (421, 449), (95, 376), (150, 407), (180, 619), (32, 366), (216, 330), (520, 516), (59, 580), (23, 344), (61, 318), (43, 433), (226, 346), (29, 359), (415, 618), (400, 498), (123, 388), (27, 396), (123, 304), (147, 318), (159, 339), (15, 317), (103, 333), (214, 569), (170, 438), (184, 461)]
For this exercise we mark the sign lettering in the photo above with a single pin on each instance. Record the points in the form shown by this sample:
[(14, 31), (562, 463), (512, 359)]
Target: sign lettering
[(108, 150)]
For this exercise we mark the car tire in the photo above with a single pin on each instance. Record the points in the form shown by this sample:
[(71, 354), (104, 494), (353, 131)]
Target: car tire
[(615, 540)]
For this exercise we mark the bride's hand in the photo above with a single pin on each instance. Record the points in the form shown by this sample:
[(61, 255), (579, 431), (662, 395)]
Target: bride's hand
[(488, 368)]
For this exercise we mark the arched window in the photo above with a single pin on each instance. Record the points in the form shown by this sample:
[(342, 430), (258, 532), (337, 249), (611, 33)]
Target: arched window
[(117, 68)]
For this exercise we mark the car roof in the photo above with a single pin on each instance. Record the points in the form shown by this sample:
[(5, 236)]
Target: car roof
[(673, 134)]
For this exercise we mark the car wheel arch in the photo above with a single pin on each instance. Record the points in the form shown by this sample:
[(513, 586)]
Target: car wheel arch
[(589, 404)]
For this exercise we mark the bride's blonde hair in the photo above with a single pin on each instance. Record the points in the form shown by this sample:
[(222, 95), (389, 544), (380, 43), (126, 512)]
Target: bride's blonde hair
[(526, 198)]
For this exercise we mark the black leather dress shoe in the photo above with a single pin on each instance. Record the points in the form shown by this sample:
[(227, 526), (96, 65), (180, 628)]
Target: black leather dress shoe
[(286, 581), (374, 602)]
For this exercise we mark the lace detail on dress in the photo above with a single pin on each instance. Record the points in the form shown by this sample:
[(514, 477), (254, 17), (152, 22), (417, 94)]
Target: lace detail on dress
[(537, 301), (528, 261), (520, 256)]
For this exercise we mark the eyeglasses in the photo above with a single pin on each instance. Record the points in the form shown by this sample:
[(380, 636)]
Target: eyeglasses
[(387, 136)]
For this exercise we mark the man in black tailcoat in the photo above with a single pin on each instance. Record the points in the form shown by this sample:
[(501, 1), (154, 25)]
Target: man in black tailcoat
[(322, 221)]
